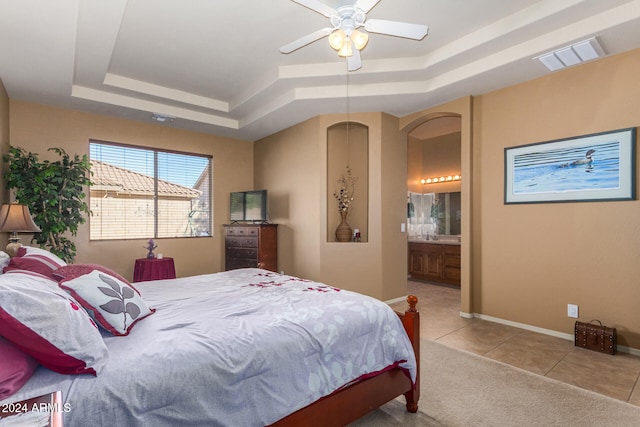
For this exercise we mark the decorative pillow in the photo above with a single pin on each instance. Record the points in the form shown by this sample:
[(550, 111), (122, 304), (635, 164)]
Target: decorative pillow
[(111, 302), (72, 271), (36, 260), (45, 322), (16, 367), (4, 261)]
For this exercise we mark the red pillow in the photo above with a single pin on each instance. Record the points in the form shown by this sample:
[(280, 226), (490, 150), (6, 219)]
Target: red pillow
[(36, 260), (16, 367), (45, 322)]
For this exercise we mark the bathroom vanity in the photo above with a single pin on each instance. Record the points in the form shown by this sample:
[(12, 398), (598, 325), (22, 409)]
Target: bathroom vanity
[(435, 261)]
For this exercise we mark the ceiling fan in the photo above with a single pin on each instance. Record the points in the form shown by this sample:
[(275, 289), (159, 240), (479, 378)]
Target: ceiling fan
[(344, 34)]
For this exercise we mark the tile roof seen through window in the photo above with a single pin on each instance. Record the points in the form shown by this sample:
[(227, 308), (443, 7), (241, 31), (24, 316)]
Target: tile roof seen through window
[(110, 178)]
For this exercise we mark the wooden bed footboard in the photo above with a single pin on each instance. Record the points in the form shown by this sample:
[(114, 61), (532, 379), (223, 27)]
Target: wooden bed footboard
[(358, 399)]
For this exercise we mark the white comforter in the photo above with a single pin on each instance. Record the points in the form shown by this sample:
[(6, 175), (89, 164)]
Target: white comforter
[(239, 348)]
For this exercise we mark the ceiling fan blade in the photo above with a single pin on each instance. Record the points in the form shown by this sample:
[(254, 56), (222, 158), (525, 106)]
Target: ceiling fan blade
[(303, 41), (317, 6), (365, 5), (354, 62), (398, 29)]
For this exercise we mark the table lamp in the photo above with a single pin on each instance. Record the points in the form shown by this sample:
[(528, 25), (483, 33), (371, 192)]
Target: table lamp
[(16, 218)]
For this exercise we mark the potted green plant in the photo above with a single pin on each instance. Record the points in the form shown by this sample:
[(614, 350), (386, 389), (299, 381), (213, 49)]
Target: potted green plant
[(54, 192)]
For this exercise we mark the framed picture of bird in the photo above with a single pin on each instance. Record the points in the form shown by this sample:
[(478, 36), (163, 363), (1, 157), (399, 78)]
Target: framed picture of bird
[(587, 168)]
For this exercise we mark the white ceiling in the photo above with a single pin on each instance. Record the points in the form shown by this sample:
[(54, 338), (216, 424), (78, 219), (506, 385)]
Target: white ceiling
[(215, 64)]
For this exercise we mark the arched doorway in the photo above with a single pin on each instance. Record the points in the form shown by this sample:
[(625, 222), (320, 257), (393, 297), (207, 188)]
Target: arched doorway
[(459, 113)]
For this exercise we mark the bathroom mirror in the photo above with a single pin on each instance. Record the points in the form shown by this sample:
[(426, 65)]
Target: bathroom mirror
[(430, 214)]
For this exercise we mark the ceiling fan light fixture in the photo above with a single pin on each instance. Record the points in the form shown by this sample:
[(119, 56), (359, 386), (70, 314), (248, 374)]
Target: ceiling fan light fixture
[(359, 39), (336, 39), (345, 51), (343, 35)]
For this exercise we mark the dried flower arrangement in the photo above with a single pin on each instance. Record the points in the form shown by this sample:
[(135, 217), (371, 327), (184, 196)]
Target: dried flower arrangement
[(344, 193)]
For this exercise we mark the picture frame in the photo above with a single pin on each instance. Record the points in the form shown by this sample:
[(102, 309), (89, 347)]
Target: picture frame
[(587, 168)]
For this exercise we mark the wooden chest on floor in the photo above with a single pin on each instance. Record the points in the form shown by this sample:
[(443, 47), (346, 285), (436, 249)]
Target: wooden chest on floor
[(596, 337)]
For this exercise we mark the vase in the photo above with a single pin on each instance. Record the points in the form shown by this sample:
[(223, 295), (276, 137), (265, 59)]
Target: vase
[(343, 232)]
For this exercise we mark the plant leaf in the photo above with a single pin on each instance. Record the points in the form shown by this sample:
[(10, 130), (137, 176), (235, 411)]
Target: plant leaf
[(127, 293), (111, 282), (133, 310), (113, 307), (109, 292)]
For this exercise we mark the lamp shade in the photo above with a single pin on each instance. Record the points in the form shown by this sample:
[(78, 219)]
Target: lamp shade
[(16, 218), (359, 39), (337, 38), (345, 51)]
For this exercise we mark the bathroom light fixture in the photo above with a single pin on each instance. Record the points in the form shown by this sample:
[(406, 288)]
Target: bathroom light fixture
[(437, 180), (576, 53)]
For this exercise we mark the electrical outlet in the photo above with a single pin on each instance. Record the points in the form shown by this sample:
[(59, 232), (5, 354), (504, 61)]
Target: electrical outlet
[(572, 310)]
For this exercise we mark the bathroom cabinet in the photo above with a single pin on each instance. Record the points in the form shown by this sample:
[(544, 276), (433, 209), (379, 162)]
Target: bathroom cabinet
[(435, 262)]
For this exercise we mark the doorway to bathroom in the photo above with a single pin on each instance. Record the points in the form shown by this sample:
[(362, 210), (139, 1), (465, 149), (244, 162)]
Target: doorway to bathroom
[(434, 200)]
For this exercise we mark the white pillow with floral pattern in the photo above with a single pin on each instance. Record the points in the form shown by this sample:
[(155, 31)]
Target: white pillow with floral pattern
[(112, 303)]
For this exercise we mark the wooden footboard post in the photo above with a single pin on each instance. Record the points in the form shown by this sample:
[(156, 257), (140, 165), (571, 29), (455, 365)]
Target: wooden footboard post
[(411, 323)]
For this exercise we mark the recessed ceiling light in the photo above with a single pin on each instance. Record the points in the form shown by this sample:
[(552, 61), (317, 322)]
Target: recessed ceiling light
[(576, 53)]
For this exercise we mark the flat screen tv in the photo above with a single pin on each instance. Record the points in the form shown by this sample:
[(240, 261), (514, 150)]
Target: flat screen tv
[(248, 206)]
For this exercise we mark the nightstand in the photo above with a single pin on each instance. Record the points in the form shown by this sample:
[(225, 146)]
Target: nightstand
[(153, 269)]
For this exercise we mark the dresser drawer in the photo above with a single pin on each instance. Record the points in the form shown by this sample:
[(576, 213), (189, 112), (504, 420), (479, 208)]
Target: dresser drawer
[(244, 253), (242, 242), (241, 263), (242, 231)]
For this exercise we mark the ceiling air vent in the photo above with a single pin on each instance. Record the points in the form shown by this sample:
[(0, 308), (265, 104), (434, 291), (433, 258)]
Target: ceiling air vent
[(577, 53)]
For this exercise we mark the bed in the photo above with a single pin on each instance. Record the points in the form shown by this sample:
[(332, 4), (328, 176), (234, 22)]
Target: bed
[(240, 348)]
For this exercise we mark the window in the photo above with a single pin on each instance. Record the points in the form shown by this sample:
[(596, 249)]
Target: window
[(148, 193)]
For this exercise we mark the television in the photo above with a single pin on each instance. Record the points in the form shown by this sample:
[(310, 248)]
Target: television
[(248, 206)]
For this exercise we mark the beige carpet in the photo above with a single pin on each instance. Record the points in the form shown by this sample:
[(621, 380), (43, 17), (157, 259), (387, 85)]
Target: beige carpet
[(463, 389)]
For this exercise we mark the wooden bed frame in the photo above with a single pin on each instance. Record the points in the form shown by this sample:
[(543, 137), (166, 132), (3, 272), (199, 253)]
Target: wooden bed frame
[(354, 401)]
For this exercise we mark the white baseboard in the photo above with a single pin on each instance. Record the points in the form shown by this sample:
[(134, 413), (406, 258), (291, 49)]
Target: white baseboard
[(569, 337)]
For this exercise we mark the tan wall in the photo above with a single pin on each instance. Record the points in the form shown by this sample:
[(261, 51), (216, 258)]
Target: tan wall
[(393, 207), (37, 127), (531, 260), (434, 157), (287, 164), (293, 165)]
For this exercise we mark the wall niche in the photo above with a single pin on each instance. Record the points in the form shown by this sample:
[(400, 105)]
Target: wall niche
[(348, 149)]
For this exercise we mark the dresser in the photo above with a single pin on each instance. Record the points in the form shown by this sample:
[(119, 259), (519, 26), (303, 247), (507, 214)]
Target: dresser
[(246, 245)]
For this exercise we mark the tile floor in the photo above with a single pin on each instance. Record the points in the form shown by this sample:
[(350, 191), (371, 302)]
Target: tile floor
[(614, 376)]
